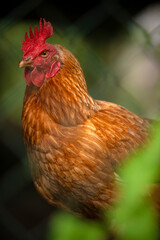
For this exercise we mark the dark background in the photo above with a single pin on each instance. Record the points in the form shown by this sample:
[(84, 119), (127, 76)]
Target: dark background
[(105, 36)]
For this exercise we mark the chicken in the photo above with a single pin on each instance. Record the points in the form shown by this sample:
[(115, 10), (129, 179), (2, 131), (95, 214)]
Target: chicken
[(74, 142)]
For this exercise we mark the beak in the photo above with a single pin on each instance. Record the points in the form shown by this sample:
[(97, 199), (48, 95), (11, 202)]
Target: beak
[(25, 62)]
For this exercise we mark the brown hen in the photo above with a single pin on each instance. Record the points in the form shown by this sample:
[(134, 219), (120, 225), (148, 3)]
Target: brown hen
[(74, 142)]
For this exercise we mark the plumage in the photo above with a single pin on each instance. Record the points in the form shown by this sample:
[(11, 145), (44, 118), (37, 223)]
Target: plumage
[(74, 142)]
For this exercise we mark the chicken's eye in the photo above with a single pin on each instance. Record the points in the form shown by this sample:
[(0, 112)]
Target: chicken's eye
[(44, 53)]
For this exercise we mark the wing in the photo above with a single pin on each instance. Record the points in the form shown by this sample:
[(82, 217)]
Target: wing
[(121, 130)]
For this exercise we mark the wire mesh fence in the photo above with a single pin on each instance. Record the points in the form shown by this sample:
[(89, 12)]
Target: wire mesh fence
[(119, 50)]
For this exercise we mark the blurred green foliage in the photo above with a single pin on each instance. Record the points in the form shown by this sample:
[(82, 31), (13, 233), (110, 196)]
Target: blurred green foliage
[(65, 226), (134, 216)]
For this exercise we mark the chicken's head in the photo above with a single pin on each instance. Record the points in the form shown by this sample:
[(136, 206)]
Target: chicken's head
[(40, 59)]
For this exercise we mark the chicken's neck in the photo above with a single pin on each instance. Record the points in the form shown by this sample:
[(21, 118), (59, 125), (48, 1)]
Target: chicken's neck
[(66, 99)]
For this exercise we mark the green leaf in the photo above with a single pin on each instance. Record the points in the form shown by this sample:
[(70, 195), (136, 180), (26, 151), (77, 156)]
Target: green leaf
[(64, 226), (134, 214)]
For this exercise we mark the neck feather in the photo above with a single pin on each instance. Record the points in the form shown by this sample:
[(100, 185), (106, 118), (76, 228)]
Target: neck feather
[(65, 96)]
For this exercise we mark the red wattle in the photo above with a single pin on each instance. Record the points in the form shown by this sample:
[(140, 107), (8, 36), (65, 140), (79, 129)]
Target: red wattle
[(37, 77), (34, 76)]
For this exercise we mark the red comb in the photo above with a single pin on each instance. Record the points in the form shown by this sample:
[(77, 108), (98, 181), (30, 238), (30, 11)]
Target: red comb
[(38, 37)]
